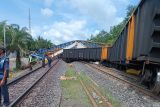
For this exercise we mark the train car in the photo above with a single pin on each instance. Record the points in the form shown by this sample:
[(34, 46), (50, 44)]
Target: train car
[(50, 54), (138, 45), (85, 54)]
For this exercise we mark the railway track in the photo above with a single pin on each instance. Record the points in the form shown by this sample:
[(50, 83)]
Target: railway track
[(90, 89), (24, 84), (135, 86), (119, 73), (131, 77), (21, 77)]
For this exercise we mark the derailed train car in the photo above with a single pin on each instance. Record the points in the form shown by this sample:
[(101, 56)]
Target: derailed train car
[(138, 45), (85, 54)]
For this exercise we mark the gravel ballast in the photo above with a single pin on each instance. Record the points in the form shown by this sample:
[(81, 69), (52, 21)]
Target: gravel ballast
[(19, 87), (128, 96), (47, 93)]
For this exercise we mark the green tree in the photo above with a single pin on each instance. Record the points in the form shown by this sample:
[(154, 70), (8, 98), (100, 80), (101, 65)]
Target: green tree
[(112, 35), (130, 10), (8, 33), (1, 32), (42, 43), (19, 41)]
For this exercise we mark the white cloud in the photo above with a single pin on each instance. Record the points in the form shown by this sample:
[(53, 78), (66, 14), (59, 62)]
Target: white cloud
[(96, 32), (60, 32), (46, 12), (103, 12), (100, 13)]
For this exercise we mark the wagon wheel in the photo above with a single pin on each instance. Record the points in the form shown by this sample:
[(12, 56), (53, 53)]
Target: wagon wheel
[(146, 77), (155, 82)]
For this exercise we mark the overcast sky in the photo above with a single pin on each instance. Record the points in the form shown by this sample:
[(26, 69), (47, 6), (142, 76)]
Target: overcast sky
[(65, 20)]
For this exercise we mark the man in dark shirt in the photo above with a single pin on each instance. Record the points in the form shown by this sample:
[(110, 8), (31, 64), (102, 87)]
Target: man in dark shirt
[(4, 72), (43, 61), (49, 60), (30, 62)]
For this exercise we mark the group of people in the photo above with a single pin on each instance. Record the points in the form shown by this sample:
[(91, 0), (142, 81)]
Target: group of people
[(4, 74), (49, 59)]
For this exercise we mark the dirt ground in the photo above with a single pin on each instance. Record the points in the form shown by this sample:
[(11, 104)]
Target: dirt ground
[(12, 62)]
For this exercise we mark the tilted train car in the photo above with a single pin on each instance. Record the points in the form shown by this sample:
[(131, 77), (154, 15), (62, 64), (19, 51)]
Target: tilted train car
[(138, 45), (85, 54)]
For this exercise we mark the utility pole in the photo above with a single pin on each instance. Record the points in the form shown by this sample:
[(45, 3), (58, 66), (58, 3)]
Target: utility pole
[(29, 21), (4, 31)]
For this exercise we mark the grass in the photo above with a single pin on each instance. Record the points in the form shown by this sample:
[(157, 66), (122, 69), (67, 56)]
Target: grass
[(73, 90), (70, 72), (111, 99), (105, 93), (14, 73)]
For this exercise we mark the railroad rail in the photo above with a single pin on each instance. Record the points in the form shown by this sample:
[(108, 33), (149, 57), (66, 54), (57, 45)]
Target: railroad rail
[(88, 92), (26, 92), (13, 81), (114, 71), (21, 77), (137, 87), (134, 78), (89, 89)]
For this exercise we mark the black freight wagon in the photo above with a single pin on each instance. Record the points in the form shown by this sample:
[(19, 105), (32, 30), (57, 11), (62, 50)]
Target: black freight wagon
[(85, 54), (138, 45)]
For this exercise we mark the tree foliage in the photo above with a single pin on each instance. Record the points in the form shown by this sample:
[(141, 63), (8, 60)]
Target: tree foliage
[(112, 35), (20, 41)]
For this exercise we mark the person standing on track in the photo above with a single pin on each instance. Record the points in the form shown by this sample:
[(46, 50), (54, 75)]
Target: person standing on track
[(30, 62), (49, 60), (43, 61), (4, 72)]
